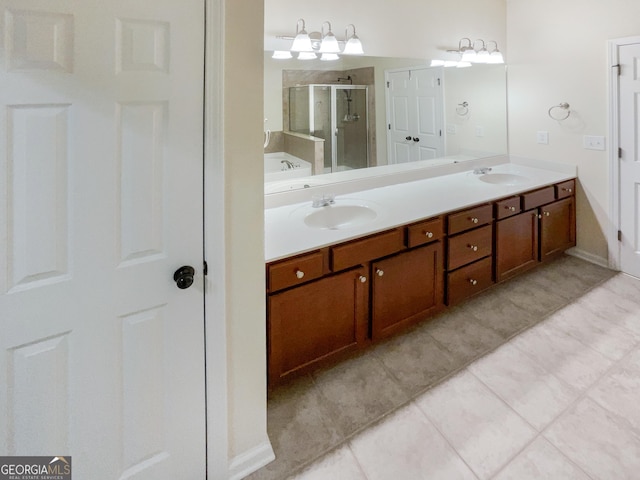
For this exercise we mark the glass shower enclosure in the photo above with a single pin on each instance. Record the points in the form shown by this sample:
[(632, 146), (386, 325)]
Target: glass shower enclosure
[(338, 114)]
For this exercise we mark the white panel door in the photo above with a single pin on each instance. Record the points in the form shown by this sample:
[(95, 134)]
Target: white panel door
[(429, 109), (102, 356), (414, 114), (400, 117), (629, 108)]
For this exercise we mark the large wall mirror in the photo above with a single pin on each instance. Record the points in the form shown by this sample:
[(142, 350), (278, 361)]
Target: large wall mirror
[(357, 116)]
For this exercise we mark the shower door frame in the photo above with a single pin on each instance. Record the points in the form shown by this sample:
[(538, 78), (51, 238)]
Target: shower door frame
[(334, 117)]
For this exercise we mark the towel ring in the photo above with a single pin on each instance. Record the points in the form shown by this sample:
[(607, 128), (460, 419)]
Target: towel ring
[(563, 116), (462, 109)]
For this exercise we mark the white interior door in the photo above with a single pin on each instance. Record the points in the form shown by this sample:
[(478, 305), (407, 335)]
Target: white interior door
[(102, 356), (629, 168), (429, 110), (415, 114)]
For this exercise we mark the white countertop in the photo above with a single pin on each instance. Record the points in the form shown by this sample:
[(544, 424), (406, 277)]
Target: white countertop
[(286, 233)]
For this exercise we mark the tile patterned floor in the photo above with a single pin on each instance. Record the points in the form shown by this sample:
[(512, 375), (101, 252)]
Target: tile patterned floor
[(538, 378)]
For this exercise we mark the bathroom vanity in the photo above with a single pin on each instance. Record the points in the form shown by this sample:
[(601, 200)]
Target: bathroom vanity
[(431, 244)]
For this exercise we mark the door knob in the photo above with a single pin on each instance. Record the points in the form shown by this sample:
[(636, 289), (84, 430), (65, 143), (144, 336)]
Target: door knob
[(184, 277), (407, 138), (416, 139)]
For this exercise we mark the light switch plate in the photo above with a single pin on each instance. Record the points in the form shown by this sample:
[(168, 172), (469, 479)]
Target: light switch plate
[(542, 137), (593, 142), (451, 129)]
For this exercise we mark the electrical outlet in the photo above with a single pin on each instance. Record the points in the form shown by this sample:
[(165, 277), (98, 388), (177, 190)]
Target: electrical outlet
[(479, 131), (593, 142), (451, 129), (543, 137)]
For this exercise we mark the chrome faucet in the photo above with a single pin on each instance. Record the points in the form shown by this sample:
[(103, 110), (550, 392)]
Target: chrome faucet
[(482, 170), (288, 164), (323, 200)]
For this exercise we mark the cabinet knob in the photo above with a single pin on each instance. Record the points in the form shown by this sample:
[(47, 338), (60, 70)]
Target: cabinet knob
[(473, 247), (473, 281), (473, 220), (546, 214), (428, 234), (299, 274), (379, 272), (539, 216), (568, 190), (511, 209), (362, 279)]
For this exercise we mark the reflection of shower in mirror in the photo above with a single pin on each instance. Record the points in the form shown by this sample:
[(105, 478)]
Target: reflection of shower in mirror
[(349, 117)]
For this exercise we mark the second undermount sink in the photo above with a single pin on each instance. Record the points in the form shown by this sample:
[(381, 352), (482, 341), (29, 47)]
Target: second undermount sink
[(338, 216), (504, 179)]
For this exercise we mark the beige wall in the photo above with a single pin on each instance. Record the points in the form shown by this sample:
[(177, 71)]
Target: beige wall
[(558, 53), (244, 231)]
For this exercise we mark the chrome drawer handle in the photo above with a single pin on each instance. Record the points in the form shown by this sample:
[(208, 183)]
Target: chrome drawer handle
[(429, 234), (511, 209), (473, 282), (473, 220), (299, 274), (362, 279), (473, 247), (379, 272), (568, 190), (546, 214)]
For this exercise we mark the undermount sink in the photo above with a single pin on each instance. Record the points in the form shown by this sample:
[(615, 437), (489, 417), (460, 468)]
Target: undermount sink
[(336, 216), (504, 179)]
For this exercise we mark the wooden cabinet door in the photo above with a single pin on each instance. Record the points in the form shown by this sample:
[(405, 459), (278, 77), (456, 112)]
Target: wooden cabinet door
[(406, 288), (557, 228), (516, 244), (315, 322)]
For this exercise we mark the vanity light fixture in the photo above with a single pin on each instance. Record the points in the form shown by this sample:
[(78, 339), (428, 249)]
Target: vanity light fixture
[(354, 45), (281, 54), (470, 53), (329, 42), (307, 44), (302, 41)]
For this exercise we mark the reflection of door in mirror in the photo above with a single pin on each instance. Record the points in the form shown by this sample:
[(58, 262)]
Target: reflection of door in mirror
[(415, 114)]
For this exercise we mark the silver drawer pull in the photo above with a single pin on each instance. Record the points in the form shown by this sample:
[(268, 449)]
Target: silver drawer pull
[(299, 274), (473, 220), (473, 247), (379, 272), (511, 209), (429, 234), (362, 279), (546, 214), (473, 282), (568, 190)]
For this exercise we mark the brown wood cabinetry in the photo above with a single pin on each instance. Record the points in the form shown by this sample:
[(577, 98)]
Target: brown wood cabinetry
[(541, 233), (324, 304), (405, 288), (316, 322), (557, 228), (469, 249)]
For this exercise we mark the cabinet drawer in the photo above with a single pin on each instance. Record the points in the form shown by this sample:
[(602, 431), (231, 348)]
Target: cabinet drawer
[(565, 189), (424, 232), (538, 197), (468, 281), (469, 247), (295, 271), (362, 251), (507, 207), (471, 218)]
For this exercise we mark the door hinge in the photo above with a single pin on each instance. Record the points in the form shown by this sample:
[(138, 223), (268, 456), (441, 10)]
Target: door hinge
[(388, 84), (205, 268), (440, 132), (618, 66), (619, 152), (438, 82), (619, 235)]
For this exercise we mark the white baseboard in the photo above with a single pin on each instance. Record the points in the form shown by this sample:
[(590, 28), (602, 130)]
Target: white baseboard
[(248, 462), (589, 257)]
